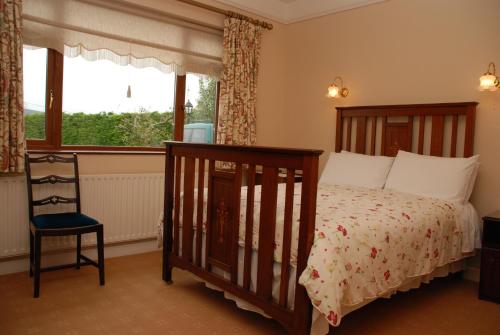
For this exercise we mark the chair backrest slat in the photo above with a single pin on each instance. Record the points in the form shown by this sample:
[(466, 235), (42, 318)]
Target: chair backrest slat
[(52, 158), (54, 200), (52, 179)]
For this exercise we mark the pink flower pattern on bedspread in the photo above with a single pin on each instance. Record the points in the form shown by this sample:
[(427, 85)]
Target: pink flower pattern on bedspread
[(368, 242)]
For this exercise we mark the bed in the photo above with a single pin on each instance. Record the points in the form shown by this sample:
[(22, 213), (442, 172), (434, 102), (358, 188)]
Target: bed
[(219, 224)]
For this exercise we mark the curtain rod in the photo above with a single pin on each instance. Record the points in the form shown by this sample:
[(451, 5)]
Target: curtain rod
[(228, 13), (161, 16)]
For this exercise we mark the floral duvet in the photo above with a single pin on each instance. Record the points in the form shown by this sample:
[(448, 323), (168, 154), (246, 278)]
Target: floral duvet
[(368, 242)]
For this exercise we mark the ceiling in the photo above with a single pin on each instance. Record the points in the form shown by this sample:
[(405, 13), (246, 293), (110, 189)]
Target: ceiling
[(290, 11)]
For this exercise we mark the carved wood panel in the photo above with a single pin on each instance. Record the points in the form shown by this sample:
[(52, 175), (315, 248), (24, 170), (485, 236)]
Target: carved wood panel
[(361, 135), (221, 221), (397, 136)]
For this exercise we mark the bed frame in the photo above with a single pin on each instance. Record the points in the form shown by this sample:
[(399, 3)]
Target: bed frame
[(401, 134), (191, 168)]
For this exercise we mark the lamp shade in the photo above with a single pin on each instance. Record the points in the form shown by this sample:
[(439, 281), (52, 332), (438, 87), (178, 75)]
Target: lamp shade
[(337, 89), (333, 91), (488, 82)]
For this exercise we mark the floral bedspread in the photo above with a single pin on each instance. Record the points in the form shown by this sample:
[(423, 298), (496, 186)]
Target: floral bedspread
[(368, 242)]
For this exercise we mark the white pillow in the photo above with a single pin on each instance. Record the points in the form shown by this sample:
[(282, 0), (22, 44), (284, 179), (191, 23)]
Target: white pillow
[(356, 170), (472, 181), (437, 177)]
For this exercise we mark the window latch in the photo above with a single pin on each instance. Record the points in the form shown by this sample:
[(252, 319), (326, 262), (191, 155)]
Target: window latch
[(51, 101)]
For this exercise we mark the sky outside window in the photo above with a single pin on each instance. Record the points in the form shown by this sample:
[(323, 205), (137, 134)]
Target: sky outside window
[(34, 78), (94, 87), (101, 86)]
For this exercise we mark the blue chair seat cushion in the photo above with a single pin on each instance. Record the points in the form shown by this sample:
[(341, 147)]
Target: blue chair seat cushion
[(62, 220)]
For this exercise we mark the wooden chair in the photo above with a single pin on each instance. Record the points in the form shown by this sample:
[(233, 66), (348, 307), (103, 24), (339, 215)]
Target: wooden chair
[(59, 224)]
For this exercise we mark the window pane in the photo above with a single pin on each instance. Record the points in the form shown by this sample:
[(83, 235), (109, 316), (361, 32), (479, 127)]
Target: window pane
[(35, 80), (199, 122), (98, 111)]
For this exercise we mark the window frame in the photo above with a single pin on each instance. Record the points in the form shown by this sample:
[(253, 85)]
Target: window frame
[(52, 91), (53, 115)]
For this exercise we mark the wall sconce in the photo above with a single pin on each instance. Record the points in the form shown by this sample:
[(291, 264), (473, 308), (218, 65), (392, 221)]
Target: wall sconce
[(337, 89), (188, 107), (489, 81)]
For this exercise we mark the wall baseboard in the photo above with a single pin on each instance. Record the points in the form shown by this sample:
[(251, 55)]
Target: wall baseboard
[(21, 264)]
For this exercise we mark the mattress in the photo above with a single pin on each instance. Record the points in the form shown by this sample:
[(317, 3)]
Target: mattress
[(368, 243)]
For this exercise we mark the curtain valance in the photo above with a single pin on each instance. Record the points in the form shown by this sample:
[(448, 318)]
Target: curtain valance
[(93, 30)]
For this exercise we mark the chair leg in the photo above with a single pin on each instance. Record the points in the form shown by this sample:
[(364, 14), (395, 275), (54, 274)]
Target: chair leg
[(38, 252), (78, 249), (31, 253), (100, 254)]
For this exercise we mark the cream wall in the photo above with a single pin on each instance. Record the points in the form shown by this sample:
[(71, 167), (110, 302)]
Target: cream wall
[(398, 52)]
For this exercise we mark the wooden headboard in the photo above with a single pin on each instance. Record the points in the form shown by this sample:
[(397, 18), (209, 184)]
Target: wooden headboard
[(445, 129)]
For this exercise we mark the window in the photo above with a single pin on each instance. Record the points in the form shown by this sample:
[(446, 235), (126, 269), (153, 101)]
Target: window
[(199, 122), (34, 77), (100, 105), (105, 104)]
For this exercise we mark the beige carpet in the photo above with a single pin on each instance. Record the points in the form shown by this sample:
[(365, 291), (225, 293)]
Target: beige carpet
[(136, 301)]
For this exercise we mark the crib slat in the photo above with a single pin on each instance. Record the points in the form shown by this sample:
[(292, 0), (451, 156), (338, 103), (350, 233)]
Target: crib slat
[(360, 135), (454, 131), (199, 209), (211, 168), (437, 135), (410, 134), (374, 136), (287, 237), (247, 263), (236, 223), (384, 126), (267, 230), (177, 203), (349, 128), (339, 132), (421, 134), (188, 209), (469, 131)]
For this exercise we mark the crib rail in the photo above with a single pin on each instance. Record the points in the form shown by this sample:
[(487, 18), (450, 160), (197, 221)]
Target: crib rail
[(202, 234)]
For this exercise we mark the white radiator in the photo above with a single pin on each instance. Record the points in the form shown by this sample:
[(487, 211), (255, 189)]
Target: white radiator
[(127, 205)]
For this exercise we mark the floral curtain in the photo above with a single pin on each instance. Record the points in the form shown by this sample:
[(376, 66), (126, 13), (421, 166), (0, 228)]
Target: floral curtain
[(238, 88), (12, 143)]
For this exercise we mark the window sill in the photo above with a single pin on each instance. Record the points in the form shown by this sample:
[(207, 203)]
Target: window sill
[(83, 150)]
